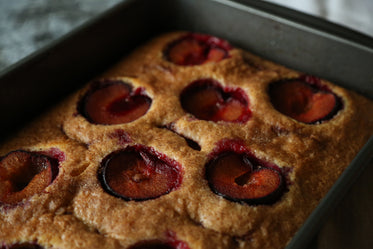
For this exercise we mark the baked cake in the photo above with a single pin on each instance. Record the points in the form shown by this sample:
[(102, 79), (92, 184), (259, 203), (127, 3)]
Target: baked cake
[(187, 143)]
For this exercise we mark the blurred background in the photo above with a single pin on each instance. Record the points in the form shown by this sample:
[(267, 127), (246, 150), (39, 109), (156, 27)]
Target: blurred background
[(26, 26), (354, 14)]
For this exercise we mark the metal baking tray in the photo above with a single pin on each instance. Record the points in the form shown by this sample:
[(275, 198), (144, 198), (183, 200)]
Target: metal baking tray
[(296, 40)]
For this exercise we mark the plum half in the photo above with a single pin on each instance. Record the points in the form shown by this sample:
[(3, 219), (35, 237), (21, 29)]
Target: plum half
[(114, 102), (24, 174), (152, 245), (304, 100), (157, 244), (171, 242), (206, 99), (139, 173), (22, 246), (197, 49), (242, 178)]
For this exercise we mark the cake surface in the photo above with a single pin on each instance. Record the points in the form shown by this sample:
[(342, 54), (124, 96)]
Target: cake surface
[(188, 142)]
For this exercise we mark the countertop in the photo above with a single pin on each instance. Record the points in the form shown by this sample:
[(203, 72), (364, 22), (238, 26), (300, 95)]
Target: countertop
[(26, 26)]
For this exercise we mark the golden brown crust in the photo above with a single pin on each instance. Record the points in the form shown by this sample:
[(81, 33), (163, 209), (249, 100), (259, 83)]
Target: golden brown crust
[(76, 212)]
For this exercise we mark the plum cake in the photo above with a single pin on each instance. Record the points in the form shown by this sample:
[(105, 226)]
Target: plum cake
[(188, 142)]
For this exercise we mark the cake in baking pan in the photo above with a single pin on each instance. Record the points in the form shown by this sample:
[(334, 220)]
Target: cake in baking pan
[(186, 143)]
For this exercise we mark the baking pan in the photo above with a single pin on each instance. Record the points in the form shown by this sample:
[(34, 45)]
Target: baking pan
[(285, 36)]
